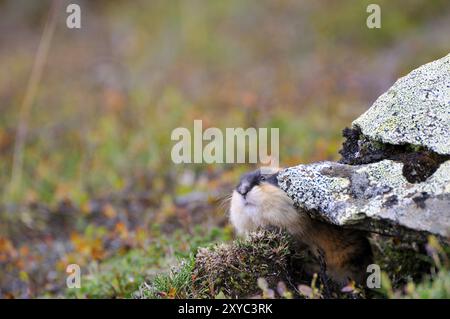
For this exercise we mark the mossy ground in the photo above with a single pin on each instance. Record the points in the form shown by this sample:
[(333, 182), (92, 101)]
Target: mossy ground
[(124, 275), (233, 270), (264, 265)]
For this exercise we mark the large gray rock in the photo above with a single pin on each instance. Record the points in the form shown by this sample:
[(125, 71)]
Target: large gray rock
[(402, 145), (415, 110), (374, 197)]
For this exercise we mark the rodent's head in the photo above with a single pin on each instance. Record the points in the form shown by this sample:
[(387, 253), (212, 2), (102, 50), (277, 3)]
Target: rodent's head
[(255, 182), (257, 202)]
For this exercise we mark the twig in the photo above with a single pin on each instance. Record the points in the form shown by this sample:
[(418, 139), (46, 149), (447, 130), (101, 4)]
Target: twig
[(30, 94)]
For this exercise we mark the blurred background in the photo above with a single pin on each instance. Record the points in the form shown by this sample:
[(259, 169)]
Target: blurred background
[(93, 180)]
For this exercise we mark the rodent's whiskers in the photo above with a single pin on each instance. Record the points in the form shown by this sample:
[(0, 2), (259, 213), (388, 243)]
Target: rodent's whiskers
[(224, 202)]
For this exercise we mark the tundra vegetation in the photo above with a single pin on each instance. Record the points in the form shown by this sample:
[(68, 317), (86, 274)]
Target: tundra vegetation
[(97, 186)]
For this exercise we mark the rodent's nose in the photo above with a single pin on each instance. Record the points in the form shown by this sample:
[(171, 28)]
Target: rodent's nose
[(243, 188)]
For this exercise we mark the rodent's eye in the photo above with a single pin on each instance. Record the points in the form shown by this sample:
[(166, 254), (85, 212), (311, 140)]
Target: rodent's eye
[(263, 178)]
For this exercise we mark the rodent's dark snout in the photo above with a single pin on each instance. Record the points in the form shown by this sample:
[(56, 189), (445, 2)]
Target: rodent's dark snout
[(243, 188), (247, 182)]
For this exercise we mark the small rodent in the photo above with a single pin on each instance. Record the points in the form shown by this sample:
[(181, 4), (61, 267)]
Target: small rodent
[(258, 202)]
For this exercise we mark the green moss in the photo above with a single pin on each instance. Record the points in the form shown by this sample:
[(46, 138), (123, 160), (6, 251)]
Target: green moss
[(226, 270), (235, 269), (413, 270), (126, 275), (118, 277), (175, 284), (402, 262)]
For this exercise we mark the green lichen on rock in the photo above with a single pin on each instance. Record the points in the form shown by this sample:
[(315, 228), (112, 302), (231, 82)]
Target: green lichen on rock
[(415, 110)]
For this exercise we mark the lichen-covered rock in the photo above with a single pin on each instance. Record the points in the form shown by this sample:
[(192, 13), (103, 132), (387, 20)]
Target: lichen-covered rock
[(415, 110), (375, 197), (394, 175)]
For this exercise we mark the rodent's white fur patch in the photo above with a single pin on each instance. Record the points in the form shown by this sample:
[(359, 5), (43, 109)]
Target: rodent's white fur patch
[(264, 205)]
